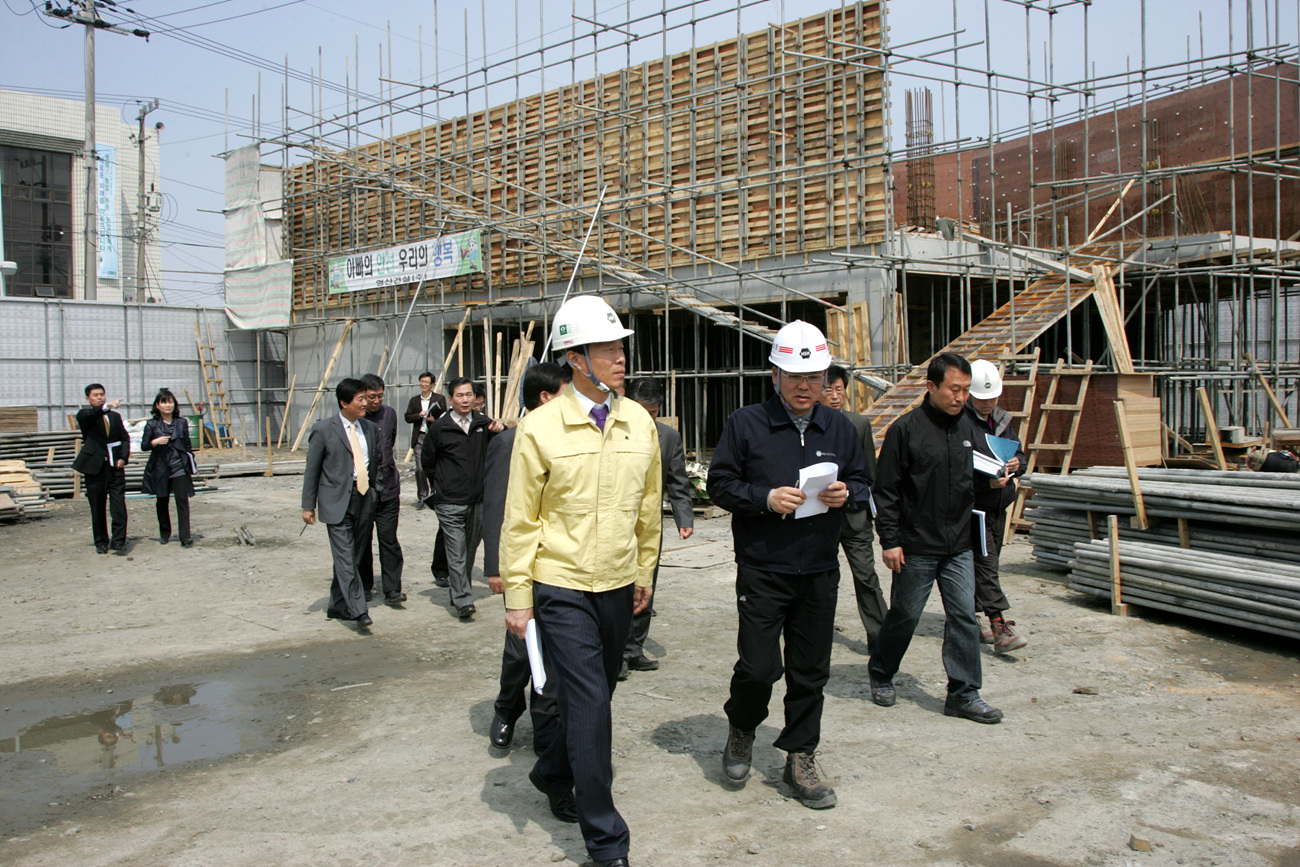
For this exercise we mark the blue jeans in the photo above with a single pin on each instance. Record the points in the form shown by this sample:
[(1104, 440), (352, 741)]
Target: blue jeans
[(961, 635)]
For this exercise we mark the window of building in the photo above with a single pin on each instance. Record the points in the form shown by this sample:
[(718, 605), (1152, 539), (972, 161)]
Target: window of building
[(36, 199)]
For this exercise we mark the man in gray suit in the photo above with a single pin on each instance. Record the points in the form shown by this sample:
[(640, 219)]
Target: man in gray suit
[(677, 490), (342, 479), (856, 536)]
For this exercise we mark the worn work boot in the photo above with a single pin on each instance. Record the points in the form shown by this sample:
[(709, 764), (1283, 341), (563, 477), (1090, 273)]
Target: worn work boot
[(975, 710), (1004, 637), (801, 774), (986, 631), (738, 754)]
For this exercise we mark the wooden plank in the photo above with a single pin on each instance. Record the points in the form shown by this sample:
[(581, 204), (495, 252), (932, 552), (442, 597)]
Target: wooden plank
[(1126, 445), (324, 381), (1117, 607), (1211, 428)]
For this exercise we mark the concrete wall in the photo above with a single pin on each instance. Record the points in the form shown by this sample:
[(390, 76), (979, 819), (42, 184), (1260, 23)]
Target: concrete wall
[(50, 350)]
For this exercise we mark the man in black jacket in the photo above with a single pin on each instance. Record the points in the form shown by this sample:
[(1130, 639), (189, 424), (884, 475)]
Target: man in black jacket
[(855, 536), (924, 495), (387, 506), (541, 383), (677, 491), (455, 448), (105, 451), (421, 411), (787, 574)]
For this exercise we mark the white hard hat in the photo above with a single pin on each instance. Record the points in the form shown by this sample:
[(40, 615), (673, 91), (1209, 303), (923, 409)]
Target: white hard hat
[(985, 381), (800, 348), (585, 319)]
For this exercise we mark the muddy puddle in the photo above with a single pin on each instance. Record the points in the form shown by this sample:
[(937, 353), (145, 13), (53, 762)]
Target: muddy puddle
[(113, 735)]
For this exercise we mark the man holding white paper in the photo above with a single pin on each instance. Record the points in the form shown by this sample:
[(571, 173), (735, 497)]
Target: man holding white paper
[(784, 469), (992, 435), (924, 496)]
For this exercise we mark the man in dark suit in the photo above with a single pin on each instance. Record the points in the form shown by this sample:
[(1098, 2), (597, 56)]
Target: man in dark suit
[(105, 451), (541, 383), (856, 536), (387, 504), (453, 456), (421, 410), (677, 490), (342, 479)]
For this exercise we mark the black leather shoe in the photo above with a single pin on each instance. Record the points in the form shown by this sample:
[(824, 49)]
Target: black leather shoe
[(364, 622), (440, 582), (501, 733), (622, 672), (119, 551), (613, 862), (642, 663), (882, 693), (187, 543), (976, 710), (369, 595), (466, 612), (163, 540), (395, 601), (99, 549), (335, 614), (562, 804)]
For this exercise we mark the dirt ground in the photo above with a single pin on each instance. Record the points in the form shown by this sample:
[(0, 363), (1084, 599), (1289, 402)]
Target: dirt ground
[(195, 707)]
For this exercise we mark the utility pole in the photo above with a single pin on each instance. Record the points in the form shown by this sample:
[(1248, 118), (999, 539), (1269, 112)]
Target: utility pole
[(85, 14), (91, 248), (141, 225)]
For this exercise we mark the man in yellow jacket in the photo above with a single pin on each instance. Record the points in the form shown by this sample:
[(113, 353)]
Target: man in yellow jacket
[(579, 545)]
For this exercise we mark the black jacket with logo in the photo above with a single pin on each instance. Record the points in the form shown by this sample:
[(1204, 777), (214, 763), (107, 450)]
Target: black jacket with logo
[(454, 460), (987, 499), (926, 485), (761, 449)]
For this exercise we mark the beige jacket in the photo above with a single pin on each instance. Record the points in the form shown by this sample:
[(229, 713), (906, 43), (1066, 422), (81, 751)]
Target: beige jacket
[(584, 510)]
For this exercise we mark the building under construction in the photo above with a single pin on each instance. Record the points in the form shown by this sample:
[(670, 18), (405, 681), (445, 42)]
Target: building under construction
[(718, 191)]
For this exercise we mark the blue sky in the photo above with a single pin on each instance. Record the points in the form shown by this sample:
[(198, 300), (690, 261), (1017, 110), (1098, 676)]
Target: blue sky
[(210, 59)]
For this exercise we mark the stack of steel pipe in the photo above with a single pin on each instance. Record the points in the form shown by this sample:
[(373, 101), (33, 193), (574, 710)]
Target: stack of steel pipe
[(1250, 499), (1055, 532), (1239, 591)]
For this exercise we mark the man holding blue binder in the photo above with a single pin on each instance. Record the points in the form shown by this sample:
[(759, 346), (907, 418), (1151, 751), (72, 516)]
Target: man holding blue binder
[(992, 435)]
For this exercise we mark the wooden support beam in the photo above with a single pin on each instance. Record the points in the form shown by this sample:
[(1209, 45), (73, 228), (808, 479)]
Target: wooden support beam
[(1268, 390), (1126, 446), (284, 419), (1117, 607), (1109, 211), (324, 381), (1211, 428), (1112, 318)]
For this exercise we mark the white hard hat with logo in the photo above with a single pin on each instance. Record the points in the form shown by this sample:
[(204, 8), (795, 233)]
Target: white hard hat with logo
[(985, 381), (800, 348), (585, 319)]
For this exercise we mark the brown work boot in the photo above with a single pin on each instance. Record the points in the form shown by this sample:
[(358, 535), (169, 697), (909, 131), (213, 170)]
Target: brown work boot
[(1004, 637), (801, 774), (986, 632)]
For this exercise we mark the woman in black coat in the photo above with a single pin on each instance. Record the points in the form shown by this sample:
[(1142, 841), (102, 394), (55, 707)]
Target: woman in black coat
[(171, 463)]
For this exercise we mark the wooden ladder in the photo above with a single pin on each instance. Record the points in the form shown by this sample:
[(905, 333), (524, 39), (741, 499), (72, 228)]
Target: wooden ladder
[(216, 389), (1028, 362), (1052, 404)]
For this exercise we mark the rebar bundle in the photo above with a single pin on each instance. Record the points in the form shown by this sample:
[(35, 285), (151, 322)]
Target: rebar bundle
[(1253, 592)]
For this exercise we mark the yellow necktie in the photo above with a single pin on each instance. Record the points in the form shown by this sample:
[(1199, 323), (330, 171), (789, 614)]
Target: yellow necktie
[(108, 430), (358, 461)]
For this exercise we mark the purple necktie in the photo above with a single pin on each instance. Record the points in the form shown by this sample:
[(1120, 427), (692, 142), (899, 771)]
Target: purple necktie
[(600, 413)]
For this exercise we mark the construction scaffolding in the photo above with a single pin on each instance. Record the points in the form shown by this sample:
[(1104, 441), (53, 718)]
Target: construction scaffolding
[(736, 185)]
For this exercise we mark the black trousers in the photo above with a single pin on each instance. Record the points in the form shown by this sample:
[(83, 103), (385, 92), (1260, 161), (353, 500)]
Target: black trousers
[(421, 480), (515, 695), (584, 634), (439, 565), (989, 597), (178, 488), (390, 550), (107, 488), (802, 609)]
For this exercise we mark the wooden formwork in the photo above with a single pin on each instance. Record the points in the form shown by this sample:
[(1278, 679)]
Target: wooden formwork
[(737, 150)]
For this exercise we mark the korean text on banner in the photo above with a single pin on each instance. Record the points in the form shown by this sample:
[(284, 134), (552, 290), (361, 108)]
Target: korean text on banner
[(445, 256)]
